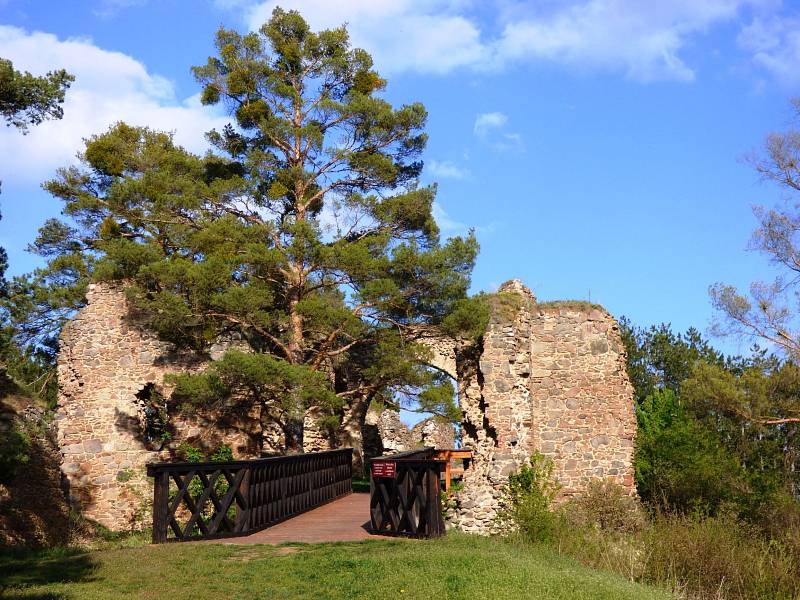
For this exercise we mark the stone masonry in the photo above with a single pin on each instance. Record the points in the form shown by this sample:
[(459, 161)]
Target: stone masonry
[(106, 364), (547, 378), (388, 434)]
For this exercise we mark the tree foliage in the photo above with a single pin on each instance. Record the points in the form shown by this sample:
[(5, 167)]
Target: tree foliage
[(770, 311), (659, 358), (712, 430), (28, 100), (680, 463), (306, 231)]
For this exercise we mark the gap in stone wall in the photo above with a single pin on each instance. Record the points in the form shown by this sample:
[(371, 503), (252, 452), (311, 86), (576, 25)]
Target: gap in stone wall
[(153, 417)]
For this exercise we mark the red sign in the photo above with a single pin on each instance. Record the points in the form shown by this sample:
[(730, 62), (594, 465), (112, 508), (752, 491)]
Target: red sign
[(384, 468)]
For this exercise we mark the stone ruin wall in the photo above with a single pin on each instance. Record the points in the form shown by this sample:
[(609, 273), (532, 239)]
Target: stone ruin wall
[(105, 360), (552, 379), (385, 433), (547, 377)]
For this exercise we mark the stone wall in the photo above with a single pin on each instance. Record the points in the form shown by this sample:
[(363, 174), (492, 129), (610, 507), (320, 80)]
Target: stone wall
[(33, 507), (549, 378), (546, 377), (105, 362), (108, 365), (388, 434)]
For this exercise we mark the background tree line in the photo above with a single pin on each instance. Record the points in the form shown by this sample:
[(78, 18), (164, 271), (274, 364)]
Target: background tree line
[(723, 432)]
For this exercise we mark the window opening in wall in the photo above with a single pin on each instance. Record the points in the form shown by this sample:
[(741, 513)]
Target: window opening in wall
[(154, 419)]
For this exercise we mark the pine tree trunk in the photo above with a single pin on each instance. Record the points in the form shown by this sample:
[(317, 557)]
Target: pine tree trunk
[(350, 432), (296, 417)]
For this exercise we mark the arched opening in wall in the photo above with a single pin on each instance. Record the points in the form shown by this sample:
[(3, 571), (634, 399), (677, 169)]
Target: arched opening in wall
[(440, 426), (153, 417), (431, 414)]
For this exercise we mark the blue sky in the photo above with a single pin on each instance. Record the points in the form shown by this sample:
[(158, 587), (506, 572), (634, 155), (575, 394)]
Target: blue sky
[(595, 145)]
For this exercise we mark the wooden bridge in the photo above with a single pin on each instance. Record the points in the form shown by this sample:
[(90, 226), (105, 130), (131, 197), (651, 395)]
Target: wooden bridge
[(304, 498)]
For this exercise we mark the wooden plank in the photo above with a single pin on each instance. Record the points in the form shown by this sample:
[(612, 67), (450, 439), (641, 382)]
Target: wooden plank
[(243, 502)]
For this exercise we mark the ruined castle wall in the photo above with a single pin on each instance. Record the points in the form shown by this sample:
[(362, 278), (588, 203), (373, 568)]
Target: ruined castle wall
[(105, 360), (582, 397), (387, 434), (548, 378)]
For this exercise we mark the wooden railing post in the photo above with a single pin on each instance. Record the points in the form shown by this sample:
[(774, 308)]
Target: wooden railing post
[(243, 509), (160, 506), (435, 520)]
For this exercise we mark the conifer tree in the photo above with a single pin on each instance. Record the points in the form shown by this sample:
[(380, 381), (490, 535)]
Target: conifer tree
[(306, 232), (26, 100), (29, 100)]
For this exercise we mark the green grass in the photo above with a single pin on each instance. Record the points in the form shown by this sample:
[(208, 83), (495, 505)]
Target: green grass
[(457, 566), (361, 485), (576, 305)]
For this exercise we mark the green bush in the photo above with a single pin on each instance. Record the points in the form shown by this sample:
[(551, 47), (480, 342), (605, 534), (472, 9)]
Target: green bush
[(528, 497), (680, 464), (696, 556)]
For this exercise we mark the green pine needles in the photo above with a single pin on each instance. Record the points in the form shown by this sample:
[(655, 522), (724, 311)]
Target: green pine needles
[(305, 232)]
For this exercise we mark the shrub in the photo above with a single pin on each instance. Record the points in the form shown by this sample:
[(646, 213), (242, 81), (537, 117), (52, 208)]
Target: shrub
[(607, 506), (719, 557), (601, 549), (780, 520), (528, 497), (680, 463), (696, 555)]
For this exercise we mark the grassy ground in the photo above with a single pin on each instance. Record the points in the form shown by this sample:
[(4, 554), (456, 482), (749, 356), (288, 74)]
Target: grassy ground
[(457, 566)]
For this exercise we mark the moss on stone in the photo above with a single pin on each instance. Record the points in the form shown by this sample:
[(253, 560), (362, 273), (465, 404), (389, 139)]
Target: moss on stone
[(576, 305), (505, 306)]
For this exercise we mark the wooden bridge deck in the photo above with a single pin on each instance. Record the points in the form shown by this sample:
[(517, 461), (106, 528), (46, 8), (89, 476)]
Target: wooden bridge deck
[(343, 520)]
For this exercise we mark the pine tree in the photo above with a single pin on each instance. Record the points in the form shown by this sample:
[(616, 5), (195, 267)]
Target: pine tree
[(306, 232), (29, 100), (26, 100)]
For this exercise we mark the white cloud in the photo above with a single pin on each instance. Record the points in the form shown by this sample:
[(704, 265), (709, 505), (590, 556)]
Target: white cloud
[(775, 47), (451, 227), (644, 40), (108, 87), (447, 224), (107, 9), (486, 122), (492, 128), (446, 169), (402, 35)]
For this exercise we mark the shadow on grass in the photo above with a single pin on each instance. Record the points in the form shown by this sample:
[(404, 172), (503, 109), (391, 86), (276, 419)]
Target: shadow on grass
[(44, 596), (28, 568)]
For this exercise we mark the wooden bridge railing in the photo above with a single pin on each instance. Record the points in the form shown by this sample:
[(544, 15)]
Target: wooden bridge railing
[(405, 494), (193, 501)]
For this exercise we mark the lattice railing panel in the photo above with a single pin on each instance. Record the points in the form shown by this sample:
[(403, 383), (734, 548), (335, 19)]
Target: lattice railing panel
[(409, 503), (207, 500)]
